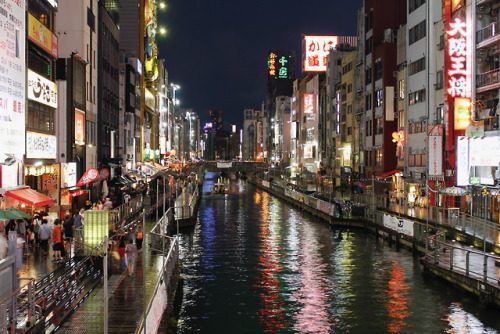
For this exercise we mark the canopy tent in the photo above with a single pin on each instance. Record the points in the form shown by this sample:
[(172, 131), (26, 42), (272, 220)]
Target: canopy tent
[(13, 213), (387, 174), (29, 196)]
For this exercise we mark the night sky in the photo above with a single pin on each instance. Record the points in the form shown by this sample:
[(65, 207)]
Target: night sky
[(216, 50)]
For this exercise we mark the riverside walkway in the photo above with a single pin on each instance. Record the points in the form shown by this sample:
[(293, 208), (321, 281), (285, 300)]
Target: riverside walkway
[(70, 296), (455, 246)]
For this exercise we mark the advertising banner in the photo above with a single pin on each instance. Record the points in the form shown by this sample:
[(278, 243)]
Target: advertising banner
[(40, 146), (12, 77), (400, 225)]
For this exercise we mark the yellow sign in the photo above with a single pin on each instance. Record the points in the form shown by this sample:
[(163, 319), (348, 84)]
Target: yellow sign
[(462, 113), (42, 36)]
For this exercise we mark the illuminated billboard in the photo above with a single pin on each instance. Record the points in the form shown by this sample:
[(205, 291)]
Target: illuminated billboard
[(12, 77), (462, 113), (315, 51), (280, 65), (308, 103)]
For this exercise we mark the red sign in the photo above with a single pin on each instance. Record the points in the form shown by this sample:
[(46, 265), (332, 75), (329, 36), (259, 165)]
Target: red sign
[(103, 174), (458, 83), (91, 175), (308, 103)]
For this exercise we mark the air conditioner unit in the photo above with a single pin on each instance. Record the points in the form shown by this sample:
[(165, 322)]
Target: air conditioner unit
[(388, 36)]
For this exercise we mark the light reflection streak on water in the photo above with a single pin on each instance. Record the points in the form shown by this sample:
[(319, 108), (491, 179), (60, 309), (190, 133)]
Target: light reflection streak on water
[(271, 311), (341, 277), (313, 316), (461, 321), (397, 303), (208, 240)]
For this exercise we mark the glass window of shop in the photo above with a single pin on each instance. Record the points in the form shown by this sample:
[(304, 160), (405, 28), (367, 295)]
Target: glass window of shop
[(39, 64), (40, 117), (41, 11)]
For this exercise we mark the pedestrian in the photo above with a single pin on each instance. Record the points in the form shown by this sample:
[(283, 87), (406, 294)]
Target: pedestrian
[(108, 204), (88, 205), (11, 226), (386, 194), (79, 219), (69, 229), (139, 236), (126, 197), (4, 247), (57, 245), (99, 205), (44, 235), (21, 227), (131, 256)]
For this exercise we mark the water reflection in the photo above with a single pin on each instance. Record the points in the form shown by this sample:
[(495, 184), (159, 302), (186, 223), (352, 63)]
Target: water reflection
[(397, 302), (254, 264), (459, 321)]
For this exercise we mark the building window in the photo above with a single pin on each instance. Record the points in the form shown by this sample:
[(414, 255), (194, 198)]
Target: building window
[(401, 119), (378, 71), (379, 98), (369, 125), (40, 117), (441, 42), (417, 66), (417, 160), (414, 4), (439, 119), (439, 80), (379, 126), (368, 46), (378, 157), (416, 97), (401, 89), (417, 32), (368, 101), (40, 11), (368, 76), (91, 133), (369, 21)]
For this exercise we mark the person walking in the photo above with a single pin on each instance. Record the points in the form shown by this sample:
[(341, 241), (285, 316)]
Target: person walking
[(131, 256), (44, 234), (57, 245), (69, 229), (139, 236)]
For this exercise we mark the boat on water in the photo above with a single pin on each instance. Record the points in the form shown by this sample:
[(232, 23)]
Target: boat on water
[(218, 188)]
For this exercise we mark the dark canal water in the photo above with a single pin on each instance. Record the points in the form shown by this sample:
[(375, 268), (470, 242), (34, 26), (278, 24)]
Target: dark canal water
[(254, 264)]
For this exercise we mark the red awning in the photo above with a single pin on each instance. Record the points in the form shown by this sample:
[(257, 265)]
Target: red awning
[(30, 197), (391, 173)]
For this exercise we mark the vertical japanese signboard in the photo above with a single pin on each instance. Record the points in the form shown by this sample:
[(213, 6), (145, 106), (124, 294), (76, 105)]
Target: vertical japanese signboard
[(280, 65), (12, 77)]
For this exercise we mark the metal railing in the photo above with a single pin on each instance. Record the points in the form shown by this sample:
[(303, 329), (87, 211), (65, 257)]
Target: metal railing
[(467, 261), (488, 78), (126, 210), (18, 310), (188, 211), (490, 30), (163, 290)]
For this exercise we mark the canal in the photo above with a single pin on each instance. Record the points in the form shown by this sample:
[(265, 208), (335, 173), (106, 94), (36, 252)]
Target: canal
[(254, 264)]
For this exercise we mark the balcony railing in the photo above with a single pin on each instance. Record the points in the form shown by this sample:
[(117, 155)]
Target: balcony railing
[(488, 31), (488, 78)]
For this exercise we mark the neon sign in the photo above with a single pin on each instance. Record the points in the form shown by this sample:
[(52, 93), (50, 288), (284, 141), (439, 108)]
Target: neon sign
[(458, 84), (279, 65)]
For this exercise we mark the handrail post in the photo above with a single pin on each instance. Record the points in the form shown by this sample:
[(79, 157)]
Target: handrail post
[(485, 267), (451, 258), (467, 256)]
